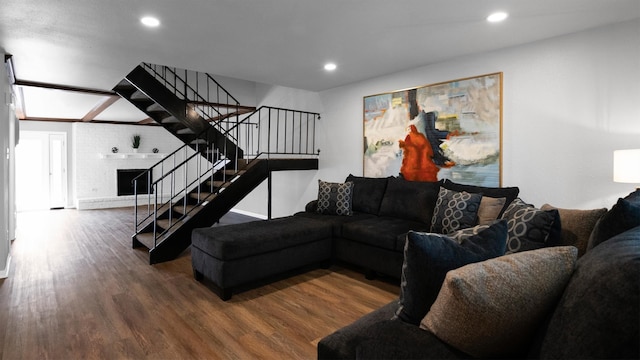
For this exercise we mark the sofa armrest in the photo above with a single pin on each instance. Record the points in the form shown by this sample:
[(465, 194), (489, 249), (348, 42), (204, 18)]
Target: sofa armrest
[(311, 206)]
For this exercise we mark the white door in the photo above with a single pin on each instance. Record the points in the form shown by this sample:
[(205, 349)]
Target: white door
[(41, 171), (57, 171)]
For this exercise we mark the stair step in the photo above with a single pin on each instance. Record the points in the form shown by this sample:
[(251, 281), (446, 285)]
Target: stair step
[(146, 239), (170, 120), (166, 224), (155, 107), (200, 196), (189, 209), (185, 131), (216, 184), (198, 142), (139, 95)]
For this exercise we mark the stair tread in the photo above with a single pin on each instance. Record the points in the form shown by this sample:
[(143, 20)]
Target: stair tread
[(185, 131), (170, 120), (155, 107), (139, 95)]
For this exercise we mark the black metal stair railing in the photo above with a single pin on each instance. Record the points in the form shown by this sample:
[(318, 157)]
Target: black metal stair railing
[(186, 173)]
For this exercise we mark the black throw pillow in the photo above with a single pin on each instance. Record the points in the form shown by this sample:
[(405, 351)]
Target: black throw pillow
[(509, 193), (367, 193), (428, 257)]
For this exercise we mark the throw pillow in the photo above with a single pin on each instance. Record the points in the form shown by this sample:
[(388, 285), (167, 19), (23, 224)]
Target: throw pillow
[(489, 210), (367, 193), (634, 197), (428, 257), (454, 211), (334, 198), (623, 216), (493, 308), (531, 228), (410, 200), (577, 226), (598, 316), (509, 193)]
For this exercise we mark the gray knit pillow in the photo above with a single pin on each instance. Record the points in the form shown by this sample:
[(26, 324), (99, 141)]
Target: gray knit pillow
[(335, 198), (494, 308), (454, 211)]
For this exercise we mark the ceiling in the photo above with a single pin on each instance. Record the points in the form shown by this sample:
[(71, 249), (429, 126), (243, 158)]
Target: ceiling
[(92, 44)]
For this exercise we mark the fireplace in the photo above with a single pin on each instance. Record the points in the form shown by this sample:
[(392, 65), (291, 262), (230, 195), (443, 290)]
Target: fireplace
[(125, 181)]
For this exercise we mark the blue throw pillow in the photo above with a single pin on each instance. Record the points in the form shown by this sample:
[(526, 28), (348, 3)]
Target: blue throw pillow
[(428, 257), (624, 215)]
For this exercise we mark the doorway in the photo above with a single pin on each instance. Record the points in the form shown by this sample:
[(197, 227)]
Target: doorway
[(41, 171)]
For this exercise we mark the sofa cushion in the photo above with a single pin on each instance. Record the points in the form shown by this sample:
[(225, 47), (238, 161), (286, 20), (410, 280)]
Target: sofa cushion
[(367, 193), (623, 216), (342, 343), (598, 315), (454, 211), (493, 308), (634, 197), (384, 232), (334, 198), (490, 209), (531, 228), (336, 221), (428, 257), (577, 226), (410, 200), (509, 193), (237, 241)]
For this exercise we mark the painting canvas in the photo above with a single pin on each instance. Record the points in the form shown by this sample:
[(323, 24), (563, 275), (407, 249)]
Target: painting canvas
[(449, 130)]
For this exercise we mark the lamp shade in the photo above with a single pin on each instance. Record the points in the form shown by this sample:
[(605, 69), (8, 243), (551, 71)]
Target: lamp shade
[(626, 166)]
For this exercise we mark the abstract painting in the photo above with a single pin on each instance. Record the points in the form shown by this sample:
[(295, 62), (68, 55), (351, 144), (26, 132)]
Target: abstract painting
[(449, 130)]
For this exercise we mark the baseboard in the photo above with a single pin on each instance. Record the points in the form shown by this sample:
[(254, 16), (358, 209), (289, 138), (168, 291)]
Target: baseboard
[(5, 272), (112, 202), (249, 213)]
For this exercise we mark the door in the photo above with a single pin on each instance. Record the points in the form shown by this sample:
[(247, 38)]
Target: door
[(57, 171), (41, 171)]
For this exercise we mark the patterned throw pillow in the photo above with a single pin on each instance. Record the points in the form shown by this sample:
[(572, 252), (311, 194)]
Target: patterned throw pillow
[(531, 228), (454, 211), (335, 198), (428, 257), (493, 308)]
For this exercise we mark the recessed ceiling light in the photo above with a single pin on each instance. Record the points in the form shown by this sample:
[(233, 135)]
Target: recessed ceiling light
[(150, 21), (330, 66), (497, 17)]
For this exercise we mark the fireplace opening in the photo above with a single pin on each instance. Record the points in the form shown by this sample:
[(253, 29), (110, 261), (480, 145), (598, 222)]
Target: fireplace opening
[(125, 182)]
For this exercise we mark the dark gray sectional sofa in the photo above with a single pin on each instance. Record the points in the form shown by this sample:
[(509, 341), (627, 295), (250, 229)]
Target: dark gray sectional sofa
[(384, 211), (593, 312)]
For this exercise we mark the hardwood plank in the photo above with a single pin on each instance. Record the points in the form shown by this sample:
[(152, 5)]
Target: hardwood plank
[(76, 289)]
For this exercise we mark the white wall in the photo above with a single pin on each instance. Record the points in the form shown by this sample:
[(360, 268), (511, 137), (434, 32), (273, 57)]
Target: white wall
[(568, 103), (287, 186), (94, 177)]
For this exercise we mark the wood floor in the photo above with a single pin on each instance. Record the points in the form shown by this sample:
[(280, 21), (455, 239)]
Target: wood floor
[(77, 290)]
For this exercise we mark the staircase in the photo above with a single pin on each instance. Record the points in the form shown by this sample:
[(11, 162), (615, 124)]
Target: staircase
[(228, 150)]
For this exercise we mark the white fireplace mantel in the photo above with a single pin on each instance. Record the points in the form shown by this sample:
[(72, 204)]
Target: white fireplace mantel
[(132, 156)]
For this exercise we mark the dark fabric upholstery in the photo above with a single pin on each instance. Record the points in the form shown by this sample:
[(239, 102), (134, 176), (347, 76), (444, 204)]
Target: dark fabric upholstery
[(342, 343), (509, 193), (410, 200), (367, 193), (599, 313), (394, 339), (336, 221), (428, 257), (634, 197), (257, 237), (623, 216), (375, 336), (383, 261), (232, 273), (385, 232)]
